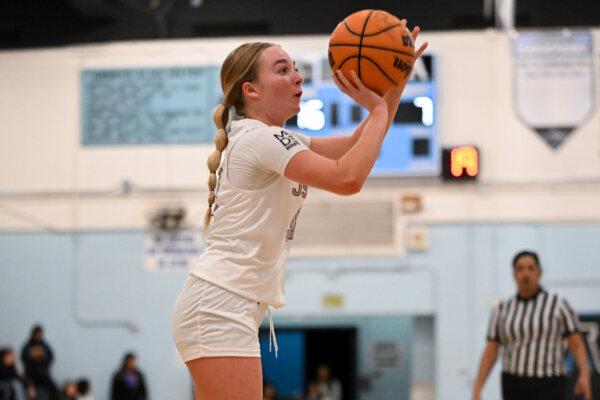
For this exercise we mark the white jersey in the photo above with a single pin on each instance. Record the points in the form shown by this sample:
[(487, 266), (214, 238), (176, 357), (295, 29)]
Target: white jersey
[(255, 212)]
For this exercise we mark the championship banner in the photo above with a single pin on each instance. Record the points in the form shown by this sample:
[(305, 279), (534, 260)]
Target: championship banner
[(554, 82)]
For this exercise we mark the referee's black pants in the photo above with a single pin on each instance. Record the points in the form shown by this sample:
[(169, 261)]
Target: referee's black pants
[(524, 388)]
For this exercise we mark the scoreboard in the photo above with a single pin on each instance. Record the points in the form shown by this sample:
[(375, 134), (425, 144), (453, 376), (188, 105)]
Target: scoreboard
[(174, 105), (411, 147)]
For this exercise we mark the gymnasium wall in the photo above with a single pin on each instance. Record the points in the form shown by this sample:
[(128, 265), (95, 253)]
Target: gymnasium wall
[(48, 175), (97, 300), (72, 240)]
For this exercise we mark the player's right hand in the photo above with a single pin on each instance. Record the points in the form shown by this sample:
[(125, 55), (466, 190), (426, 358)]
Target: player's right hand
[(357, 90)]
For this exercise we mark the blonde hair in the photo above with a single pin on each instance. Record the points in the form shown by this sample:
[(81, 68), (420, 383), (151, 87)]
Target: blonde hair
[(241, 65)]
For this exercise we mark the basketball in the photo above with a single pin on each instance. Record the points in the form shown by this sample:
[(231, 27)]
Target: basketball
[(376, 45)]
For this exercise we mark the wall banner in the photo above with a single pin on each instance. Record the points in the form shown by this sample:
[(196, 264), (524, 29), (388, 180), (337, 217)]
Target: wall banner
[(554, 81), (148, 105), (172, 251)]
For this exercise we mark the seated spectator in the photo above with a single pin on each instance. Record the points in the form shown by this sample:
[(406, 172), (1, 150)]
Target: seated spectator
[(84, 391), (69, 391), (313, 392)]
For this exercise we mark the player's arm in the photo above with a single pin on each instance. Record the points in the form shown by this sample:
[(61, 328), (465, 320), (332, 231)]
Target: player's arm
[(488, 359), (347, 174), (335, 147)]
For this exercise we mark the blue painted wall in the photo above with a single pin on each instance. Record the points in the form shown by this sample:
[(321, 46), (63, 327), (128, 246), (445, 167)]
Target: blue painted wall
[(88, 289)]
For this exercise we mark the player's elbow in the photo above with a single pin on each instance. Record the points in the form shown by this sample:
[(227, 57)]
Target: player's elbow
[(356, 186), (351, 185)]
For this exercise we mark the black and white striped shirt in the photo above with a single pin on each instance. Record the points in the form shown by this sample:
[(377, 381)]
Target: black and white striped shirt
[(533, 332)]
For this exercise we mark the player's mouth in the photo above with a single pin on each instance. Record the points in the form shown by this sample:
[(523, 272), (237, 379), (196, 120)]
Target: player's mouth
[(299, 94)]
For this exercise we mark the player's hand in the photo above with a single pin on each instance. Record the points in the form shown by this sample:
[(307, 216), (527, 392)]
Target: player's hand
[(357, 90), (397, 91), (583, 387), (415, 33)]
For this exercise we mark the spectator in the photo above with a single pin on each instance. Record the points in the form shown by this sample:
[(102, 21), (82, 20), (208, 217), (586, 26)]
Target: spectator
[(269, 392), (128, 382), (12, 384), (69, 391), (313, 392), (37, 357), (84, 391), (329, 387)]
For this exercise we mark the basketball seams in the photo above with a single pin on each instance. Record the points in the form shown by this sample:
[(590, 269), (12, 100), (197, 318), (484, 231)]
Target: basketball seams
[(380, 69), (368, 46), (387, 28), (346, 59), (361, 40), (372, 61), (350, 30), (383, 30)]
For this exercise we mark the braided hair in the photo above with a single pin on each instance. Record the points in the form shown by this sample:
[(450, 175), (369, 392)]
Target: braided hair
[(241, 65)]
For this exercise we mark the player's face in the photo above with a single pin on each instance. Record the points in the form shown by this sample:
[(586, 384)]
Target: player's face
[(279, 84), (527, 274)]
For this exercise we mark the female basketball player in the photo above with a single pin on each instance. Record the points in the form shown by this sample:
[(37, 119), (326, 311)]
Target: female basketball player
[(259, 178)]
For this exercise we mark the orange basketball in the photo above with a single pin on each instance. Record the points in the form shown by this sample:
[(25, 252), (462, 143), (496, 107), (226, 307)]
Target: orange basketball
[(374, 44)]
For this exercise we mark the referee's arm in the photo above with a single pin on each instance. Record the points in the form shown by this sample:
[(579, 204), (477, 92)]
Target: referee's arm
[(577, 349), (488, 359)]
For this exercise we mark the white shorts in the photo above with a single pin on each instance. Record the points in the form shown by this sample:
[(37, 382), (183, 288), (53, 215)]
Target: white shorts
[(209, 321)]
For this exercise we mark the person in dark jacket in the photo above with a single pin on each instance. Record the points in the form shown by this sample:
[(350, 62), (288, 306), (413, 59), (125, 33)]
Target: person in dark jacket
[(37, 357), (128, 382), (13, 386)]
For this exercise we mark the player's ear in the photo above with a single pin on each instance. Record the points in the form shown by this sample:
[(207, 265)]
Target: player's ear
[(248, 90)]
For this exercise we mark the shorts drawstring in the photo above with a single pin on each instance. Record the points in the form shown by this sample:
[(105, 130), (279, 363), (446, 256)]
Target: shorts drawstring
[(272, 332)]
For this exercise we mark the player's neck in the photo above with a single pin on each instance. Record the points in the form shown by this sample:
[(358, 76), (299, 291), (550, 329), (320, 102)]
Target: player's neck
[(265, 116)]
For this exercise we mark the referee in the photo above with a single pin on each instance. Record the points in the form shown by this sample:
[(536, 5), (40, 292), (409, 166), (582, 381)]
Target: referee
[(536, 328)]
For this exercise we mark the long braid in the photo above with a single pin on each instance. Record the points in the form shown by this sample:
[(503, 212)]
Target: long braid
[(220, 118), (240, 66)]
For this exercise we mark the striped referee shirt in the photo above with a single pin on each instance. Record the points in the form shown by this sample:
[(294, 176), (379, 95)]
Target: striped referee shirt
[(533, 333)]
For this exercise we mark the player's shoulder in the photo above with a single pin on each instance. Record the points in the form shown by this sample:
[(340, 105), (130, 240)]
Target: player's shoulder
[(275, 131), (275, 136)]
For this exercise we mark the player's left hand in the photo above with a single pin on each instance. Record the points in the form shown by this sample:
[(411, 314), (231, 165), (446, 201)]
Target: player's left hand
[(415, 33), (396, 92)]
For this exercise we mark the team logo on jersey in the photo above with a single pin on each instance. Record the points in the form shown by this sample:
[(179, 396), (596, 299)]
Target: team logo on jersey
[(286, 139)]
